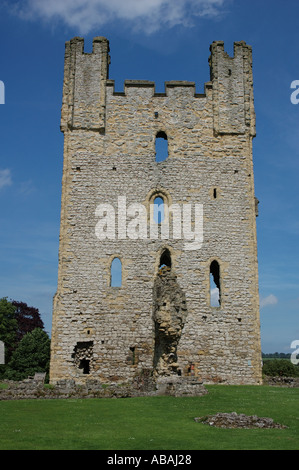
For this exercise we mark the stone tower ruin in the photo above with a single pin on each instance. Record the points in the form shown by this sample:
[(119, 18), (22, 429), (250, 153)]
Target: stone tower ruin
[(186, 300)]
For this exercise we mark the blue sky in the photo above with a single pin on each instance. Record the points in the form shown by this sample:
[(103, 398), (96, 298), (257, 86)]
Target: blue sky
[(155, 40)]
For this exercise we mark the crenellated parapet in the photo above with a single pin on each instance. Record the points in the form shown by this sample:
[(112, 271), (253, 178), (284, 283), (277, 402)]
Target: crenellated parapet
[(233, 106), (84, 86), (87, 84), (185, 87)]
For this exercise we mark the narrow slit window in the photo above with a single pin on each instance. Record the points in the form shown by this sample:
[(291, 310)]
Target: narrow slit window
[(133, 357), (159, 210), (215, 193), (116, 273), (215, 291), (161, 147)]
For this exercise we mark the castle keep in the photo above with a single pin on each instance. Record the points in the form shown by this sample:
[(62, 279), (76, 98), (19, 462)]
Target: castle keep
[(186, 299)]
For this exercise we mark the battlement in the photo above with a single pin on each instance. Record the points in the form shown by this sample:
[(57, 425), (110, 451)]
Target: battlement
[(87, 85), (185, 87), (232, 88), (97, 43), (85, 75)]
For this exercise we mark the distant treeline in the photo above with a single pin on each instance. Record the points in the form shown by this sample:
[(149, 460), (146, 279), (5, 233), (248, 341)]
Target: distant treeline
[(276, 355)]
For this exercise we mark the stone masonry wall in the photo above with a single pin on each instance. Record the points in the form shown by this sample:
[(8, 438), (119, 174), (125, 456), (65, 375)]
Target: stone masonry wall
[(64, 389), (109, 158)]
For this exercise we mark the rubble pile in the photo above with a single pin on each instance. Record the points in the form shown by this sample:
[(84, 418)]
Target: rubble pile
[(234, 420)]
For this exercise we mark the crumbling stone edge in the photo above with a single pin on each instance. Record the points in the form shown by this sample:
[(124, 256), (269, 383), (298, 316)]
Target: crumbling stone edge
[(64, 389), (291, 382), (141, 386)]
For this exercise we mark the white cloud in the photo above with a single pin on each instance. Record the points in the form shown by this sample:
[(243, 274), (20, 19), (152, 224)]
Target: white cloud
[(5, 178), (144, 15), (214, 297), (26, 187), (269, 300)]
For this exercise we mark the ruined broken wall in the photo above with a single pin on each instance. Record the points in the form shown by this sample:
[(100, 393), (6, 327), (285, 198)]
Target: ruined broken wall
[(169, 315), (110, 152)]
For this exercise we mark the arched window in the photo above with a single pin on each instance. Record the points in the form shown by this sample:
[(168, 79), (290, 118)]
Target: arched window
[(161, 146), (165, 259), (159, 214), (215, 290), (115, 273)]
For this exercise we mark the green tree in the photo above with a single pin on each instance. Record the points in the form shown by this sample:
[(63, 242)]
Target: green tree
[(31, 355), (16, 320), (28, 318), (8, 327)]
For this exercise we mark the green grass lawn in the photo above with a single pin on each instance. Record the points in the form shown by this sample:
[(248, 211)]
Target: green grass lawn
[(151, 423)]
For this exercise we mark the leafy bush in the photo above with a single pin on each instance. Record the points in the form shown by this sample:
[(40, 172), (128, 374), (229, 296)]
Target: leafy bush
[(32, 355), (280, 367)]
